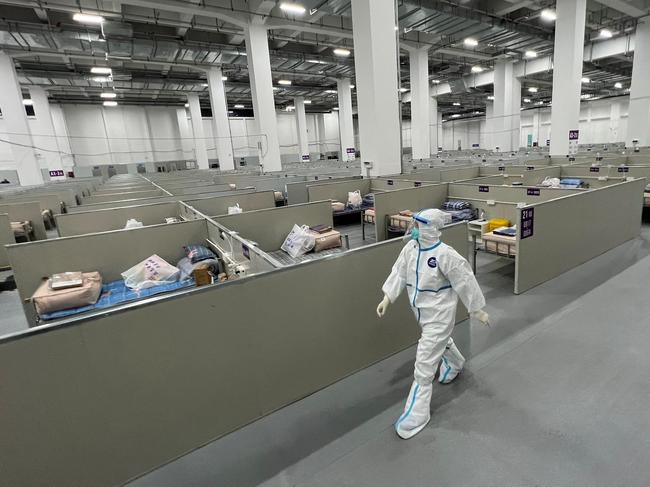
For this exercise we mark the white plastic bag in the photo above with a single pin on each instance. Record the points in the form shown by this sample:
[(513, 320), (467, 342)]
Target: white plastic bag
[(299, 241), (133, 223), (153, 271), (354, 199), (550, 182), (234, 210)]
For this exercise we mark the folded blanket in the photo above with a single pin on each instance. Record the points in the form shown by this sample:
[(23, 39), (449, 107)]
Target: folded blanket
[(456, 205), (461, 215)]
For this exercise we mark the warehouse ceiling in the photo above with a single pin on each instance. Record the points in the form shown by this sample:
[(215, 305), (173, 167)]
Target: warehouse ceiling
[(159, 49)]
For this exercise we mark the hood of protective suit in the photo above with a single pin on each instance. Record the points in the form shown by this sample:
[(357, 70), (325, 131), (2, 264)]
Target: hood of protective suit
[(430, 222)]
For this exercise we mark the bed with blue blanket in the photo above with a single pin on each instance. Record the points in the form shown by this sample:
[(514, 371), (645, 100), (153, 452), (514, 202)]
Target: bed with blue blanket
[(116, 293)]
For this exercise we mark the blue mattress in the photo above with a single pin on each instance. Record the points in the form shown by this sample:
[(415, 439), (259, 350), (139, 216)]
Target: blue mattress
[(116, 293)]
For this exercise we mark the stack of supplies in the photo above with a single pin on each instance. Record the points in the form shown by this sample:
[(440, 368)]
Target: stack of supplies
[(369, 200), (67, 290), (325, 238), (495, 223), (337, 206)]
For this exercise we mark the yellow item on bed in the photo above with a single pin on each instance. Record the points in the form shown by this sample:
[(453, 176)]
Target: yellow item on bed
[(495, 223)]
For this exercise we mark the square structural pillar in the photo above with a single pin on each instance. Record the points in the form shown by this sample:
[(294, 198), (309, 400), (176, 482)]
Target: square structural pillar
[(346, 126)]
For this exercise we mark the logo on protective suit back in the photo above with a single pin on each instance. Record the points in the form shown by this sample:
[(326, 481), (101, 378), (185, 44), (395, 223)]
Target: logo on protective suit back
[(432, 262)]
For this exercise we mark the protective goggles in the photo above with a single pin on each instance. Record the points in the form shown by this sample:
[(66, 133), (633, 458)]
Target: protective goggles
[(421, 219)]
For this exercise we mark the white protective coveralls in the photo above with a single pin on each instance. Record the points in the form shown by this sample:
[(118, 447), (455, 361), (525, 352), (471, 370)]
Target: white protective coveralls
[(435, 275)]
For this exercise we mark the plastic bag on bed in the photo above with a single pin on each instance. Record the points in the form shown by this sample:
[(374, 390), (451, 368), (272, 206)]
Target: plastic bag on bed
[(133, 223), (299, 241), (354, 199), (153, 271), (234, 210)]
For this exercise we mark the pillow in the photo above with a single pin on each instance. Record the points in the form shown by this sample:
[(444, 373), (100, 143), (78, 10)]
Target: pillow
[(197, 253)]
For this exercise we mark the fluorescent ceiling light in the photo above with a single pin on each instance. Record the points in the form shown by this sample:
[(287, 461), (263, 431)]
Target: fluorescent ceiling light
[(477, 69), (292, 8), (396, 28), (456, 104), (316, 61), (101, 79), (284, 82), (205, 84), (88, 18), (533, 89), (307, 102), (289, 108), (585, 80), (28, 101), (549, 15), (224, 78), (540, 103), (187, 105), (530, 54), (606, 33), (403, 90), (470, 42), (108, 95), (335, 108), (435, 81), (584, 96), (455, 115), (100, 70), (331, 91), (239, 106), (490, 97), (109, 103), (351, 87), (275, 88), (339, 51), (618, 86), (526, 100)]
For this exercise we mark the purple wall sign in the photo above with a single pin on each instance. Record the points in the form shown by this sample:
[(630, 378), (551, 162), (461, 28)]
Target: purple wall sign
[(533, 192), (390, 182), (483, 189), (527, 222), (57, 173), (417, 184), (502, 168), (624, 169), (574, 134), (594, 169), (246, 251), (350, 150), (530, 168)]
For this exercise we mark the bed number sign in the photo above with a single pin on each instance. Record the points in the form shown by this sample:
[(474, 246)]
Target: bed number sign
[(390, 182), (533, 192), (530, 168), (57, 173), (246, 251), (502, 168), (594, 169), (483, 189), (624, 169), (417, 184), (527, 222)]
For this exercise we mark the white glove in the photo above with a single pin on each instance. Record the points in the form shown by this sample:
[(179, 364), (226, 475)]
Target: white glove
[(383, 306), (481, 316)]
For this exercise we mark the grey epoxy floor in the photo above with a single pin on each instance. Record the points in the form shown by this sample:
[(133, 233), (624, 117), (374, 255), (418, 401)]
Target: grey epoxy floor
[(555, 393)]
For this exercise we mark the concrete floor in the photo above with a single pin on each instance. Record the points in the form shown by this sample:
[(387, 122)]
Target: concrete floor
[(555, 393)]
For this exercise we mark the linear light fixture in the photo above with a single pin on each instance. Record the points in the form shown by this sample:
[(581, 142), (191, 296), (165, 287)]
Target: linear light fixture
[(28, 102), (548, 15), (109, 103), (88, 18), (108, 95), (101, 70), (339, 51), (238, 106), (477, 69), (470, 42), (292, 8), (284, 82), (530, 54)]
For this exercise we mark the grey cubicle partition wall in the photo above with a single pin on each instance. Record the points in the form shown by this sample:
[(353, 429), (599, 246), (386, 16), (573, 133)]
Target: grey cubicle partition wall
[(392, 202), (460, 173), (297, 192), (114, 218), (157, 199), (110, 253), (150, 193), (268, 228), (569, 231), (46, 200), (202, 189), (219, 205), (536, 176), (101, 400), (6, 238), (26, 211), (337, 191), (606, 171), (390, 184)]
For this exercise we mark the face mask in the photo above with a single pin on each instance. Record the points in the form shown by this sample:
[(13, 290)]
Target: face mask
[(415, 233)]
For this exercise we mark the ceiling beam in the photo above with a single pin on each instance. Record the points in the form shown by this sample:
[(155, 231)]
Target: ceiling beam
[(624, 7)]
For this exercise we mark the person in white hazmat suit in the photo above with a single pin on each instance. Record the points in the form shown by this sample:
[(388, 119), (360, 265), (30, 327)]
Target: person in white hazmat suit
[(435, 275)]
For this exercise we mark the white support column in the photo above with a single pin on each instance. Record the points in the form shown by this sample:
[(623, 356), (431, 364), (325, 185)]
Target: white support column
[(220, 121), (567, 72), (434, 125), (507, 101), (15, 118), (185, 133), (490, 138), (614, 122), (638, 119), (375, 62), (301, 124), (200, 149), (420, 104), (346, 126), (259, 73), (321, 134), (536, 123), (44, 128)]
